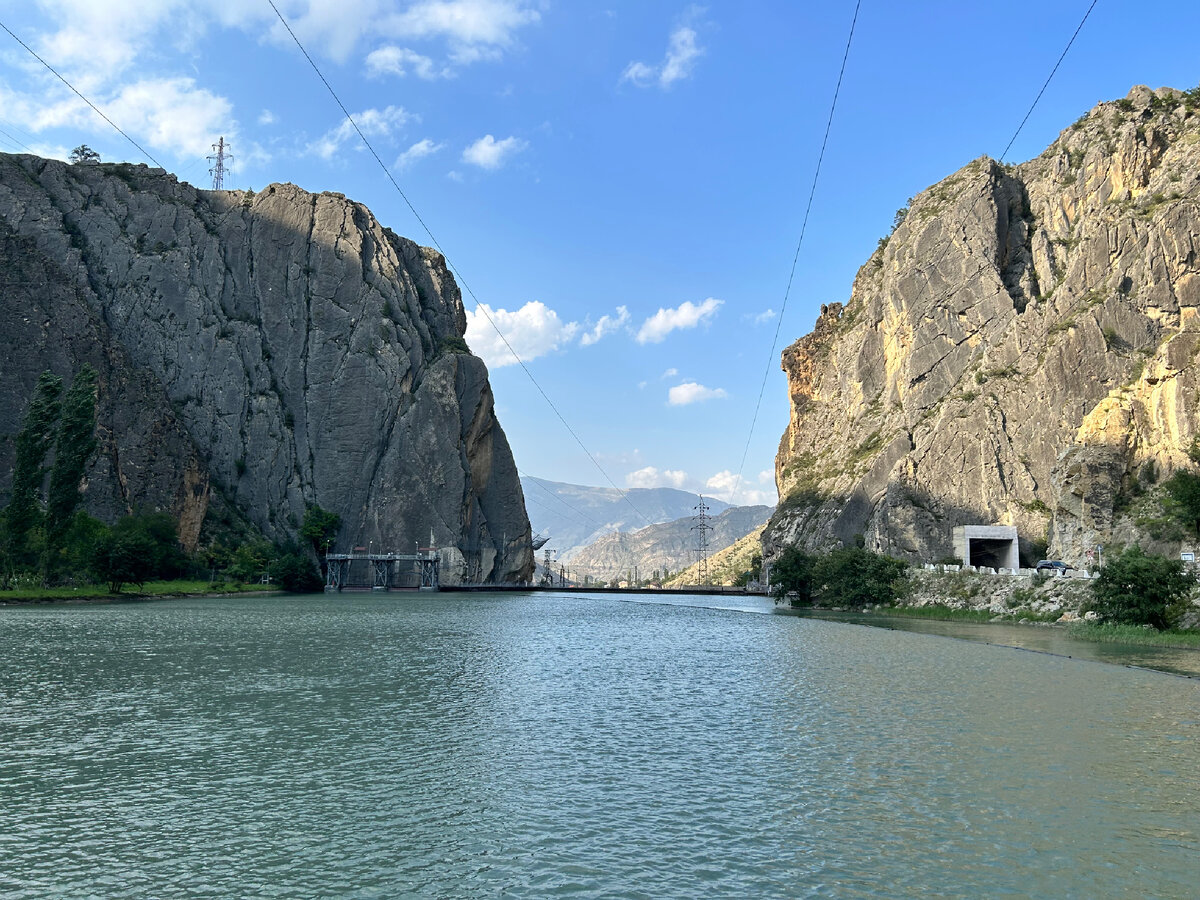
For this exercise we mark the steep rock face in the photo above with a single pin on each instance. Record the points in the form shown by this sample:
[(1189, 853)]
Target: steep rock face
[(1021, 350), (266, 351)]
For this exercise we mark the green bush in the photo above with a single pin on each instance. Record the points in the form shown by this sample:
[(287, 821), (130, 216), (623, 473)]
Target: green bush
[(1137, 588), (295, 572), (791, 576)]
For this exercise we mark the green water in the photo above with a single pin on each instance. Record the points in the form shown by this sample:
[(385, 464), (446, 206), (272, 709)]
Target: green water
[(531, 746)]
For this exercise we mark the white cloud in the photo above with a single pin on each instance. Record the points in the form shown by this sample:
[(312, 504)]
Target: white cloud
[(724, 483), (683, 49), (173, 114), (687, 315), (765, 476), (650, 477), (639, 73), (670, 373), (266, 117), (371, 122), (475, 29), (489, 153), (606, 325), (400, 61), (691, 392), (419, 150), (533, 330), (761, 318), (682, 53)]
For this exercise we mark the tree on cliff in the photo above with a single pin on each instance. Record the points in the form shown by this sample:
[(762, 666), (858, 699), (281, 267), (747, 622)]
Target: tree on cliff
[(84, 154), (1138, 588), (34, 440), (74, 443)]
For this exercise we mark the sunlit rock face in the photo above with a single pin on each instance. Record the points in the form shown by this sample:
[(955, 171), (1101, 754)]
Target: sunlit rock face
[(1021, 351), (258, 353)]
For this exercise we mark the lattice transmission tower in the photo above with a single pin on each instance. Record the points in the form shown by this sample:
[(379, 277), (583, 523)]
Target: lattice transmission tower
[(702, 528), (218, 160)]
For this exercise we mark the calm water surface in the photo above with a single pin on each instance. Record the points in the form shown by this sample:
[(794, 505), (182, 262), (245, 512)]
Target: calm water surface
[(529, 746)]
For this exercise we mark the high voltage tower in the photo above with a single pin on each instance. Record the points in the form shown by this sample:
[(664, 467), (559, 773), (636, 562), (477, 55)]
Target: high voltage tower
[(218, 164), (702, 528)]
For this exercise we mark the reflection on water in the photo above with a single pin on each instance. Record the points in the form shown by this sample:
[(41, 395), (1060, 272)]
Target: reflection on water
[(1042, 638), (537, 745)]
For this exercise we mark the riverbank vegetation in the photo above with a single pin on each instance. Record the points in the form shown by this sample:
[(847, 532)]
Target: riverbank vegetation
[(51, 548), (851, 577)]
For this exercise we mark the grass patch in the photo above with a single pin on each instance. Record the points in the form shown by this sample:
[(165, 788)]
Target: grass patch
[(149, 589), (1187, 639)]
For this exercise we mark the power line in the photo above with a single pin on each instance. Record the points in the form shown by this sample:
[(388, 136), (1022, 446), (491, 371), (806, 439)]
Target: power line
[(95, 108), (779, 322), (1048, 77), (479, 307), (791, 276)]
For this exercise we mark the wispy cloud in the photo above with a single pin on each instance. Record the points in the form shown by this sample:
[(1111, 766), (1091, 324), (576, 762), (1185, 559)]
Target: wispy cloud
[(491, 154), (401, 61), (690, 392), (418, 151), (683, 49), (386, 123), (687, 315), (604, 326)]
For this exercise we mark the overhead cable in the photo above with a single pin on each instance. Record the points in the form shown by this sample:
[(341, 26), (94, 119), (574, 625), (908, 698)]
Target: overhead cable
[(479, 307)]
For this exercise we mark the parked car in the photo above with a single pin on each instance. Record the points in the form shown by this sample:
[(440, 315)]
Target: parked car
[(1054, 566)]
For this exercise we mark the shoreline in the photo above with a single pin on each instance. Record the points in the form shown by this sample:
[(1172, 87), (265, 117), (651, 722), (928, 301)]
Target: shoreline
[(1095, 633), (98, 599)]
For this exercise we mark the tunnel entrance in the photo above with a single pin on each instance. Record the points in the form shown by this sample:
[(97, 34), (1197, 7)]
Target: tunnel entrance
[(991, 546)]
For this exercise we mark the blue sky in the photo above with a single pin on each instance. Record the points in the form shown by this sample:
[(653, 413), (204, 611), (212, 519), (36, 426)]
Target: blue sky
[(622, 184)]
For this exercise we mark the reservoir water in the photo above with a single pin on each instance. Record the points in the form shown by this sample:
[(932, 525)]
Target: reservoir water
[(533, 745)]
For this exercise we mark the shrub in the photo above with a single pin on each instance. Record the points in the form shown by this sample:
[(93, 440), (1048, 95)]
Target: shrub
[(792, 575), (1137, 588), (294, 572), (857, 577)]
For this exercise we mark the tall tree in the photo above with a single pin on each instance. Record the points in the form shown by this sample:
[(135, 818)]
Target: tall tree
[(33, 441), (74, 444)]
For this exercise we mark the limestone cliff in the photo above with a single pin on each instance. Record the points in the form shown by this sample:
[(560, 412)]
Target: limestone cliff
[(1022, 350), (257, 353)]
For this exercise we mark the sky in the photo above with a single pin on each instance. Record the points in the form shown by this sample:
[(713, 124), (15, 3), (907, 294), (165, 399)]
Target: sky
[(622, 185)]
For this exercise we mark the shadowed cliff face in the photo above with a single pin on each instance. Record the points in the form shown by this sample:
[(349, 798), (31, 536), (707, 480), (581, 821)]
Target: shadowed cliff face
[(1021, 351), (289, 349)]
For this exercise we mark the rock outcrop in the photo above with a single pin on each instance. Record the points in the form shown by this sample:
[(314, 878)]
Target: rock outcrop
[(665, 547), (257, 353), (1022, 350)]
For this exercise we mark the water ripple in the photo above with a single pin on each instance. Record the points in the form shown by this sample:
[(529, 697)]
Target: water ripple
[(532, 746)]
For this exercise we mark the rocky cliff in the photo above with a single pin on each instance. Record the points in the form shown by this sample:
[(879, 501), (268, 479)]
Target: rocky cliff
[(257, 353), (1022, 350)]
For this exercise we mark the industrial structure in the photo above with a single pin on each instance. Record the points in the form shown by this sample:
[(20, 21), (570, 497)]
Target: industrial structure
[(991, 546), (384, 571)]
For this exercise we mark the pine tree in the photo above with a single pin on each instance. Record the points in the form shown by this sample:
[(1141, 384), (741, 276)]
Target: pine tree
[(23, 513), (73, 446)]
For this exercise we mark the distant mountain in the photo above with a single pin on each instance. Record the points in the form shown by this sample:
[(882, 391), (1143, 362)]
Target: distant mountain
[(726, 565), (667, 547), (573, 515)]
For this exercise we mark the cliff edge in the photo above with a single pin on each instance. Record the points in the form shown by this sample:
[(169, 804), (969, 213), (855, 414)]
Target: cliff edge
[(1021, 350), (257, 353)]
